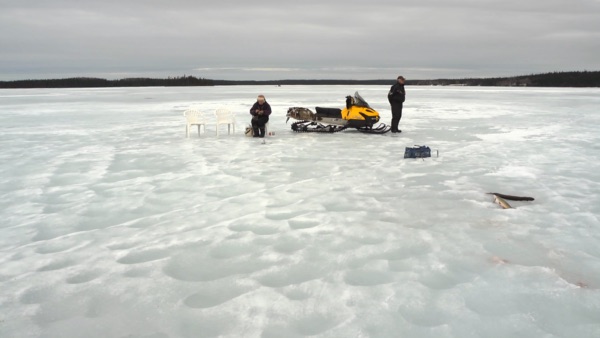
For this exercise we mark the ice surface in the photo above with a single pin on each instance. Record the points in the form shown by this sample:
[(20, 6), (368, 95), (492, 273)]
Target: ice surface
[(113, 224)]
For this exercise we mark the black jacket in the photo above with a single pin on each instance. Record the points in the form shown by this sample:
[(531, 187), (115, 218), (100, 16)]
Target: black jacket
[(265, 107), (397, 94)]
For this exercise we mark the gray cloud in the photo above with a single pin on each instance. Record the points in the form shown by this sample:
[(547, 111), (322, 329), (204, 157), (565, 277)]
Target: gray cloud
[(309, 39)]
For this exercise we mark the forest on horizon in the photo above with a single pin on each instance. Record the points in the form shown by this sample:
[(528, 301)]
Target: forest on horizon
[(553, 79)]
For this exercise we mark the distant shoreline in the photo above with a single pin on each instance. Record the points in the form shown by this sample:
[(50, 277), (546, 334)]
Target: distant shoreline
[(554, 79)]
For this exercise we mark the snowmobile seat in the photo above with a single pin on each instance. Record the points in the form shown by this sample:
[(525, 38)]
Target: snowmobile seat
[(329, 112)]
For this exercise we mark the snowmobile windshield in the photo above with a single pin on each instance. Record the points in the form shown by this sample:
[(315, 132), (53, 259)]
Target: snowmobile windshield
[(359, 101)]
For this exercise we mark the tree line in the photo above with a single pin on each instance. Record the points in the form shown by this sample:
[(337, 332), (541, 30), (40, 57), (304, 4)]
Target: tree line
[(91, 82), (554, 79)]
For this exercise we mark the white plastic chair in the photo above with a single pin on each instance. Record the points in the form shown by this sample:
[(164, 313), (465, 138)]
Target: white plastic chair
[(193, 117), (225, 116)]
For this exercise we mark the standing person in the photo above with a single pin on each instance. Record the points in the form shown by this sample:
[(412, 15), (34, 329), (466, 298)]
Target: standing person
[(396, 96), (260, 112)]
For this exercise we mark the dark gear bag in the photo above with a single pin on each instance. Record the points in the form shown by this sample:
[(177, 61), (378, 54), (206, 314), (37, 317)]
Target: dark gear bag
[(417, 152)]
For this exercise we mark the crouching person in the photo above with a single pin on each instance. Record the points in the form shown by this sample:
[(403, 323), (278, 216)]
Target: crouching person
[(260, 112)]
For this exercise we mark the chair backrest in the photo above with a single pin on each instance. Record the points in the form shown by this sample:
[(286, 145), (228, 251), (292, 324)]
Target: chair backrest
[(194, 116), (224, 116)]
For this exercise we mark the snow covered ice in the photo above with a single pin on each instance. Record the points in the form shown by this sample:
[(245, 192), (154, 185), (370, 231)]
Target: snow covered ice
[(113, 224)]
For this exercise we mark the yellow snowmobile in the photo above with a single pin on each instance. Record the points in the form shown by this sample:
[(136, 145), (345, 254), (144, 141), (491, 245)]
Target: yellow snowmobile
[(357, 114)]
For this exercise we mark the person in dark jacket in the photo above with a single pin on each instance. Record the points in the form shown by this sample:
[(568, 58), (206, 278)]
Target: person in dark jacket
[(260, 112), (396, 96)]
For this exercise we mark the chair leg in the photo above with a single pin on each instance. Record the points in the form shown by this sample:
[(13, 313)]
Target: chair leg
[(187, 130)]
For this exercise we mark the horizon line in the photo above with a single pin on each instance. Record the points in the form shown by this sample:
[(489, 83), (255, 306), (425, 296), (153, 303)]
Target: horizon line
[(304, 79)]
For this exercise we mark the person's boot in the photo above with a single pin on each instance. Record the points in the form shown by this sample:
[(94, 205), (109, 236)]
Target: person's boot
[(255, 132), (262, 132)]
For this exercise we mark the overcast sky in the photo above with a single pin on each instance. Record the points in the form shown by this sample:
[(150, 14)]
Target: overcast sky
[(307, 39)]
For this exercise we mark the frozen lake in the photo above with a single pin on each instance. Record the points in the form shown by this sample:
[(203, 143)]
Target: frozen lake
[(113, 224)]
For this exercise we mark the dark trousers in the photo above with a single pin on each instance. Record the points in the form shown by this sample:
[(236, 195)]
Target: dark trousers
[(258, 125), (396, 115)]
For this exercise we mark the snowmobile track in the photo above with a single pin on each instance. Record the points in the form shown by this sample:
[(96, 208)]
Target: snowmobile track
[(315, 127)]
